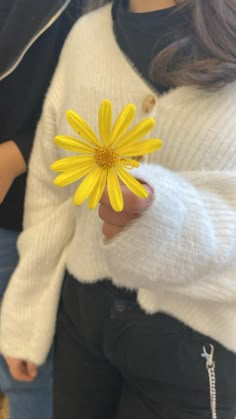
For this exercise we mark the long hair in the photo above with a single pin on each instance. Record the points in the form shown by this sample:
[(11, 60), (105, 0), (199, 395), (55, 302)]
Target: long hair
[(204, 51)]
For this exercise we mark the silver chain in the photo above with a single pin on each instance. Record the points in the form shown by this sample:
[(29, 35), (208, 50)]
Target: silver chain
[(210, 366)]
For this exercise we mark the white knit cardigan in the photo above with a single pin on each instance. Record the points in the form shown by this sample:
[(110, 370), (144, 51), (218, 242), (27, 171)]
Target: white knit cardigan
[(180, 254)]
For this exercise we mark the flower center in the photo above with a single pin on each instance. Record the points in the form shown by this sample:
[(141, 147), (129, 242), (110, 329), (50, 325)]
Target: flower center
[(105, 157)]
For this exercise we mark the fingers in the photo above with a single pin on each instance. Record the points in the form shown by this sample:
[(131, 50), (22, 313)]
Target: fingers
[(21, 370), (107, 214), (110, 230), (113, 222), (132, 203), (31, 369)]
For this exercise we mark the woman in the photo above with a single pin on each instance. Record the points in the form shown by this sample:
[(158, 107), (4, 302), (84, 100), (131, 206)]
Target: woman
[(146, 322)]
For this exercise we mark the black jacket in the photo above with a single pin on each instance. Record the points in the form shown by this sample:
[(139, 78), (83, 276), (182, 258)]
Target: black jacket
[(31, 38)]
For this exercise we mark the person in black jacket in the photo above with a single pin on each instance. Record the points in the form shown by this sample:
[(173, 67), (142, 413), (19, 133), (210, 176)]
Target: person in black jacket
[(31, 37)]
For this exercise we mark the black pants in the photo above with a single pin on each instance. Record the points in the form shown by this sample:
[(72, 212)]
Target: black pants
[(112, 361)]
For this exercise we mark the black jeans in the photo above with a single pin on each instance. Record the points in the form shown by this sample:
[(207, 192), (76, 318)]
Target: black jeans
[(113, 361)]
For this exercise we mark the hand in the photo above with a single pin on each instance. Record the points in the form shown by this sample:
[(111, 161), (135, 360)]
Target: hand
[(12, 164), (114, 222), (21, 370)]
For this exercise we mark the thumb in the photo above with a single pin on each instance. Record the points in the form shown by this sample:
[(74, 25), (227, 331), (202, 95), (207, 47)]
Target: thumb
[(32, 369)]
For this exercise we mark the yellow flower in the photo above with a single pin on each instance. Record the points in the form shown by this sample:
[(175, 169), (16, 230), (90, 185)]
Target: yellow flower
[(103, 161)]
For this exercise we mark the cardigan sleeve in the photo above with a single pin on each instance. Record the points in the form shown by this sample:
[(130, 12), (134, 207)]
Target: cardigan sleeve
[(185, 242), (29, 307)]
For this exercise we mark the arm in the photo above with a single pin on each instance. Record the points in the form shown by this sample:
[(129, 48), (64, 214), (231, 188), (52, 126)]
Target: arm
[(24, 140), (12, 164), (185, 241)]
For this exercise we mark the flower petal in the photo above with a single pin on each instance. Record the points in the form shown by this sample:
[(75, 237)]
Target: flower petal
[(136, 133), (139, 149), (129, 163), (80, 126), (69, 163), (114, 191), (70, 143), (96, 194), (104, 120), (122, 123), (87, 186), (70, 176), (132, 184)]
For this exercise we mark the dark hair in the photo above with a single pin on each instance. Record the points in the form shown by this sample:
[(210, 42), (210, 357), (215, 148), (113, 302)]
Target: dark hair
[(204, 52)]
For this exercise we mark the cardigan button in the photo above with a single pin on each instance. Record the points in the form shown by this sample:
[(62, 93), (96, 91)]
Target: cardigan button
[(149, 103)]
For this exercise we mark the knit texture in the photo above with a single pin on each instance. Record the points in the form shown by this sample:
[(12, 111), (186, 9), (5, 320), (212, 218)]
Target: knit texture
[(181, 253)]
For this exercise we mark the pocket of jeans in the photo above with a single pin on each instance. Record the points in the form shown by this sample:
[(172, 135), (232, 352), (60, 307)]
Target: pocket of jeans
[(149, 343)]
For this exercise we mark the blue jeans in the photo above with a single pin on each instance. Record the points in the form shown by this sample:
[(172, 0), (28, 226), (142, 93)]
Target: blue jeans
[(27, 400)]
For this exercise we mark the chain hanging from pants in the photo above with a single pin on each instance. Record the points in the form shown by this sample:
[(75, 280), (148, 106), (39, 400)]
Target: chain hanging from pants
[(210, 366)]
